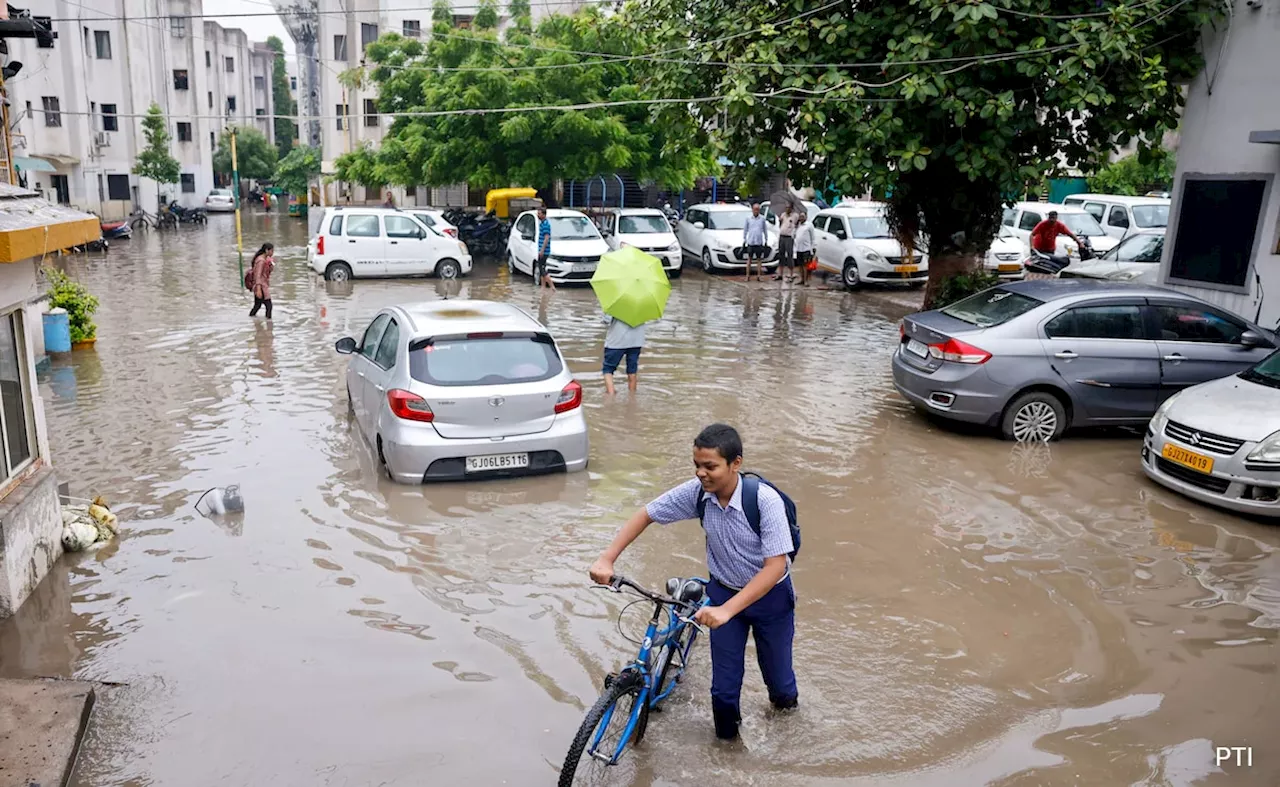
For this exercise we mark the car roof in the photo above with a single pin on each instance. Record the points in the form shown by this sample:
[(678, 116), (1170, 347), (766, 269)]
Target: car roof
[(449, 317), (1121, 199), (1058, 289), (1045, 207), (637, 211), (722, 206), (857, 208)]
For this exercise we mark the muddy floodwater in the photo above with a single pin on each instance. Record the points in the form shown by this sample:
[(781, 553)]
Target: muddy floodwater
[(970, 612)]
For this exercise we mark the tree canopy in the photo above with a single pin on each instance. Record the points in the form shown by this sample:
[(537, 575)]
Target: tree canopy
[(945, 107), (255, 154), (296, 170), (1137, 174), (155, 161), (460, 70), (282, 99)]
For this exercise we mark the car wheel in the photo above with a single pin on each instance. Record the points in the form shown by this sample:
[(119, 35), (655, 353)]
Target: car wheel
[(850, 275), (1035, 417), (382, 461), (448, 269), (707, 265), (338, 271), (675, 273), (915, 285), (511, 263)]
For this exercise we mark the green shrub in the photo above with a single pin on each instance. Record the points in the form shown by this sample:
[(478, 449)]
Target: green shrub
[(66, 293), (962, 285)]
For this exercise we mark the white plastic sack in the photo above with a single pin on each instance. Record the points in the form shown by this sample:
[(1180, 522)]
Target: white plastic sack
[(78, 536)]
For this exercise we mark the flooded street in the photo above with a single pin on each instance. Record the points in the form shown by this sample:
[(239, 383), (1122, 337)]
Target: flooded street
[(970, 612)]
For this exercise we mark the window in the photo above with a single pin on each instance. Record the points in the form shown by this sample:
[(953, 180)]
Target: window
[(370, 114), (178, 26), (109, 120), (260, 112), (1009, 215), (1119, 217), (365, 226), (230, 64), (118, 187), (210, 99), (820, 223), (180, 80), (208, 60), (188, 181), (231, 104), (213, 141), (372, 193), (835, 225), (373, 334), (1147, 216), (19, 437), (641, 225), (30, 112), (1097, 322), (259, 83), (1195, 324), (1029, 221), (293, 83), (1217, 225), (102, 44), (1095, 209), (412, 28), (401, 227), (526, 227), (52, 112), (990, 308), (335, 225), (1138, 248), (62, 188), (184, 132), (341, 111), (425, 218), (386, 355), (44, 42), (510, 359), (368, 34), (340, 48), (463, 21)]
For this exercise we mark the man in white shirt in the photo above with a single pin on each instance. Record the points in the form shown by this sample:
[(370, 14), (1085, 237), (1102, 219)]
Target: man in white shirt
[(804, 248)]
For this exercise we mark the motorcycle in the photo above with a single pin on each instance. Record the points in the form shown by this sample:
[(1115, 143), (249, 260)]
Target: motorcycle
[(485, 236), (673, 215), (188, 215), (112, 230), (1052, 264)]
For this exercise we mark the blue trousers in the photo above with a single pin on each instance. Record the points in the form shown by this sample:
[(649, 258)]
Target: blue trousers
[(772, 619)]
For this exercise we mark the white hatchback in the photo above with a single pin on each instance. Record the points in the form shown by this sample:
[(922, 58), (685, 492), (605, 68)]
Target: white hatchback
[(576, 245), (712, 234), (854, 241), (378, 242), (648, 230)]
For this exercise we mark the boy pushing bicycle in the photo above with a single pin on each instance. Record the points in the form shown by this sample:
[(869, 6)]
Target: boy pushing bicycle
[(749, 546)]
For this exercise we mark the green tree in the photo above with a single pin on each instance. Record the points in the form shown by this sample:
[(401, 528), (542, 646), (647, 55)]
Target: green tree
[(460, 70), (945, 107), (296, 170), (154, 161), (254, 153), (1137, 174), (282, 99)]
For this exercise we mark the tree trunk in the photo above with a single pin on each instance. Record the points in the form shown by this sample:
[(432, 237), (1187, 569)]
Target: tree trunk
[(944, 267)]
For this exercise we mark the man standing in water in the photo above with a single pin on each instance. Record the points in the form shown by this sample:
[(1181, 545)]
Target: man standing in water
[(754, 238), (540, 276), (750, 588)]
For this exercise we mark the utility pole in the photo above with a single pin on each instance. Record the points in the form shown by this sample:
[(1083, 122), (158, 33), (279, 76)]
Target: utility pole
[(235, 194)]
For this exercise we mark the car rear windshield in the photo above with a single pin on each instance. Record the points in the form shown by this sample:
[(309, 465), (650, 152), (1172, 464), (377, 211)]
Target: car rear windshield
[(497, 360), (993, 307)]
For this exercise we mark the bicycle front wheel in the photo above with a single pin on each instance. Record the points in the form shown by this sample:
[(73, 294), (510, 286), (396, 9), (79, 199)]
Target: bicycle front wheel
[(613, 712)]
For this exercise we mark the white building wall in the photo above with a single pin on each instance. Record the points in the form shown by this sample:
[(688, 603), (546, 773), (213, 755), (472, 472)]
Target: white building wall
[(1236, 94)]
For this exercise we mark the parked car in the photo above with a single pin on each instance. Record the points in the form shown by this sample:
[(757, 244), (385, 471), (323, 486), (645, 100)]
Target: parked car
[(1036, 357), (1136, 259), (446, 390), (646, 229), (1006, 255), (1219, 442), (853, 240), (435, 219), (373, 242), (576, 245), (712, 234), (1122, 216), (220, 201), (1023, 217)]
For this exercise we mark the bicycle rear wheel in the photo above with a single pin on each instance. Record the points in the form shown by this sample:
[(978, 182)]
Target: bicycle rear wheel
[(580, 768)]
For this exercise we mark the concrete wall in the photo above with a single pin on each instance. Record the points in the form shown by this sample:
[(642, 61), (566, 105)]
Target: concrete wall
[(1237, 93), (30, 537)]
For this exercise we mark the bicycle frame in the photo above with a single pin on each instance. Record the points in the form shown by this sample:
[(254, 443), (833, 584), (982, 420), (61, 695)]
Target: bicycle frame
[(653, 638)]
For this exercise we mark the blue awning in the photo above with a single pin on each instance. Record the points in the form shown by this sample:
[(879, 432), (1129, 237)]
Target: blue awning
[(32, 164)]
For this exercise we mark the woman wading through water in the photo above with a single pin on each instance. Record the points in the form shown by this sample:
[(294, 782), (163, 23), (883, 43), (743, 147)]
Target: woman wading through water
[(260, 278)]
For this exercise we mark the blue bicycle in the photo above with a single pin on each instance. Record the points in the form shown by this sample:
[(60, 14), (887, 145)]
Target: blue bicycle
[(620, 716)]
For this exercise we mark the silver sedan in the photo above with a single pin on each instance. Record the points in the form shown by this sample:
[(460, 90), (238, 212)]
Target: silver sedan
[(1219, 442), (449, 390)]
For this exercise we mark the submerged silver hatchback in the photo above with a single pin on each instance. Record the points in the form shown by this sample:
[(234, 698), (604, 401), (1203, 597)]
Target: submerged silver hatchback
[(448, 390)]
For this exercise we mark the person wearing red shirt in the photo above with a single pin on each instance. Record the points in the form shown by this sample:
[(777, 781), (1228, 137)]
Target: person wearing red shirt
[(1044, 238)]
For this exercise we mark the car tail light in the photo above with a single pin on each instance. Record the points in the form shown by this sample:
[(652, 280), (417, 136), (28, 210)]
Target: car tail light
[(570, 397), (409, 406), (485, 335), (959, 352), (902, 330), (452, 232), (320, 245)]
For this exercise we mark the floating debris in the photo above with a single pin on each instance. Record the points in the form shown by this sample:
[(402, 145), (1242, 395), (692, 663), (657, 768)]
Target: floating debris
[(88, 526)]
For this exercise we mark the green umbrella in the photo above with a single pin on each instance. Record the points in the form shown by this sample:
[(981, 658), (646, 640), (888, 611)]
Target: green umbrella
[(631, 286)]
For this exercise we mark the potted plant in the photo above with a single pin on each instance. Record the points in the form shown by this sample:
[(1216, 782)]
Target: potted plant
[(79, 303)]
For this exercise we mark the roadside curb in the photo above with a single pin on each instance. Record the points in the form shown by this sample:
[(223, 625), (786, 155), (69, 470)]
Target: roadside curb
[(42, 722)]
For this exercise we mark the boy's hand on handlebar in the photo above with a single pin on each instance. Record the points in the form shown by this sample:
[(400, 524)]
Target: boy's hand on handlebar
[(602, 571), (712, 617)]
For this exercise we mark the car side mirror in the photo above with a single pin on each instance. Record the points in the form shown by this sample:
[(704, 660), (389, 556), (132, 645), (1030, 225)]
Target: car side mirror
[(697, 225), (422, 234), (1253, 339), (346, 345)]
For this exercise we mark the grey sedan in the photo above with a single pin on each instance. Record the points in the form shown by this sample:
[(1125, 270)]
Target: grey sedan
[(1036, 357)]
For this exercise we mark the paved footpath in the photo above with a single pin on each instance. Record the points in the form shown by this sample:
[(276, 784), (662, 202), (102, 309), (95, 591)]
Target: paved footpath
[(41, 723)]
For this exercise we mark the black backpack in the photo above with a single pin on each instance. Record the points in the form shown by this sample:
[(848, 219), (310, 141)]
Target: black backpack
[(751, 507)]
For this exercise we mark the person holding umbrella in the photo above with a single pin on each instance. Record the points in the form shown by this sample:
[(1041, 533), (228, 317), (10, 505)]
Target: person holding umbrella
[(632, 289)]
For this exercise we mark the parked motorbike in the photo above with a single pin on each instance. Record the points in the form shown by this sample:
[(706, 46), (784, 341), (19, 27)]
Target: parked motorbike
[(112, 230), (1052, 264), (485, 236), (188, 215), (673, 215)]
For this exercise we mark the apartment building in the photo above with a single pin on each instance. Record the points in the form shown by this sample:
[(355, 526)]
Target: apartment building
[(77, 105)]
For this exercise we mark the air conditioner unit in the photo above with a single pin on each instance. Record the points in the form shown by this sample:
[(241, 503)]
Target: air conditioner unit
[(102, 139)]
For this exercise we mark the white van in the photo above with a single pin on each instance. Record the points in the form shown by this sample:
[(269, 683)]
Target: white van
[(359, 242), (648, 230), (1122, 216), (576, 245)]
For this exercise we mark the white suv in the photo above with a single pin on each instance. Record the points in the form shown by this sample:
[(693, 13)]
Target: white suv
[(648, 230), (712, 234), (853, 240), (363, 242)]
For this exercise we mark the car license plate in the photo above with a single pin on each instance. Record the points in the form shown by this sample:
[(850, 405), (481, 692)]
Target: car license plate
[(1197, 462), (1010, 268), (583, 267), (916, 347), (906, 268), (480, 464)]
